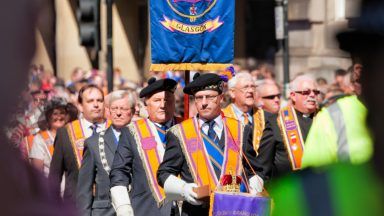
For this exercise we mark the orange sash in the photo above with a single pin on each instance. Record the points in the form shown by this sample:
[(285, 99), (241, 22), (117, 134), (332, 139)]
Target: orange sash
[(258, 123), (77, 138), (258, 127), (197, 156), (291, 133), (147, 147), (48, 141)]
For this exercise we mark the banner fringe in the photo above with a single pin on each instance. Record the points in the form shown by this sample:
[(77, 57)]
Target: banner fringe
[(189, 66)]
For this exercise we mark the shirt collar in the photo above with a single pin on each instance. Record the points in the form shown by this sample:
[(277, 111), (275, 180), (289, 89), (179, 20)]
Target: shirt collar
[(239, 112), (117, 133), (169, 123), (218, 120), (87, 124)]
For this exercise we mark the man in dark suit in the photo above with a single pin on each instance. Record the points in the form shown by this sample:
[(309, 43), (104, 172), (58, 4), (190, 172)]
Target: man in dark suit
[(140, 152), (99, 150), (282, 143), (68, 144), (196, 148)]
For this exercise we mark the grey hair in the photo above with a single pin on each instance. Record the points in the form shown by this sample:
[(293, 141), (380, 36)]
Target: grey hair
[(294, 84), (244, 75), (120, 94)]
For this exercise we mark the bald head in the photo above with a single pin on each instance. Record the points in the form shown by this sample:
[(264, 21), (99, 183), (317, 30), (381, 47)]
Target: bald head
[(270, 95)]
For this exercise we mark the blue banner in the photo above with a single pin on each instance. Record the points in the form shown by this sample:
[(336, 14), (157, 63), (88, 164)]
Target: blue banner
[(192, 34)]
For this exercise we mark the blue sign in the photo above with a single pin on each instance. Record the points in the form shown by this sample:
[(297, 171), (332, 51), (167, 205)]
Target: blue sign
[(192, 34)]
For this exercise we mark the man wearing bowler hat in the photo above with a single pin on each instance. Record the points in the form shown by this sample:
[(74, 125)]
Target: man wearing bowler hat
[(202, 149), (140, 151)]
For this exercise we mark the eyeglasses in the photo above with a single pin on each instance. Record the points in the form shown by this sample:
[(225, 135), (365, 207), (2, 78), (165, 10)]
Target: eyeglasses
[(122, 109), (208, 97), (246, 88), (308, 92), (271, 97)]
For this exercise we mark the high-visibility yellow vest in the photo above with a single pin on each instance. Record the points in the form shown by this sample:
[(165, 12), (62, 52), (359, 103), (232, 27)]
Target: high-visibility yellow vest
[(339, 133)]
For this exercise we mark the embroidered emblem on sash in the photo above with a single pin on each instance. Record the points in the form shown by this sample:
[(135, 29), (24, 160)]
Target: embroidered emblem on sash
[(292, 137), (197, 156)]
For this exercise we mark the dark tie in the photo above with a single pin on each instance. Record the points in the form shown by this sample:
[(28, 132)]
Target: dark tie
[(214, 150), (162, 131), (164, 128), (94, 128), (211, 132)]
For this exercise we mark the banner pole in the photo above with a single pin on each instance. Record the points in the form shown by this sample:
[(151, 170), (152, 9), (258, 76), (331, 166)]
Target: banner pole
[(186, 96)]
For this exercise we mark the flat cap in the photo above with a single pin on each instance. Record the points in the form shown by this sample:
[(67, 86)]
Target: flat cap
[(155, 86), (206, 81)]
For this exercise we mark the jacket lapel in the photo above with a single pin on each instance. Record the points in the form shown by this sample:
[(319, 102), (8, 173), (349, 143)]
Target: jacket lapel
[(110, 142)]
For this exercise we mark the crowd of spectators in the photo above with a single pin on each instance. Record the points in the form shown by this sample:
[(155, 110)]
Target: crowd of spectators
[(43, 86)]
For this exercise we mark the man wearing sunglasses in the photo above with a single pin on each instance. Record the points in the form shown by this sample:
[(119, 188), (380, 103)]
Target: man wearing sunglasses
[(270, 96), (242, 90), (282, 143)]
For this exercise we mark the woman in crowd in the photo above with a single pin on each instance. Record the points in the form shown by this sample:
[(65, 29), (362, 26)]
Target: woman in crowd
[(57, 113)]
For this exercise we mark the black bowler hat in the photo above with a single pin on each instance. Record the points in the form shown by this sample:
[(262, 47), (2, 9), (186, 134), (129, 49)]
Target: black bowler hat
[(155, 86), (367, 30), (206, 81)]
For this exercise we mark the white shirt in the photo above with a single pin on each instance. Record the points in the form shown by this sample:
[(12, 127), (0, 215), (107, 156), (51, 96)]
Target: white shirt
[(87, 127), (40, 151), (217, 127), (117, 134), (239, 114)]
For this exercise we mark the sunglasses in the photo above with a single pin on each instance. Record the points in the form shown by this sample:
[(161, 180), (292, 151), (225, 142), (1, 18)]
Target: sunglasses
[(271, 97), (308, 92)]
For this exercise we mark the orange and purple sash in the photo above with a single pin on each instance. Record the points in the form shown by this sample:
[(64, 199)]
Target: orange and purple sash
[(197, 156), (147, 147), (291, 133), (258, 123)]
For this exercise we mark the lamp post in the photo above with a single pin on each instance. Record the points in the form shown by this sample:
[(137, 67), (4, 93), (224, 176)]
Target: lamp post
[(281, 25), (109, 46)]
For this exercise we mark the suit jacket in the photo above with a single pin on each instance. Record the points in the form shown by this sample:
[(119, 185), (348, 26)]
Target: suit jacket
[(273, 158), (93, 183), (63, 161), (174, 163), (128, 169)]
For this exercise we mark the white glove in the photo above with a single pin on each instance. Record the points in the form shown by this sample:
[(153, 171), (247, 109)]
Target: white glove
[(256, 185), (177, 189), (124, 210), (120, 201)]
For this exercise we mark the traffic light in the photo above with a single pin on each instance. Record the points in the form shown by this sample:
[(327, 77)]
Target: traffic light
[(88, 15)]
